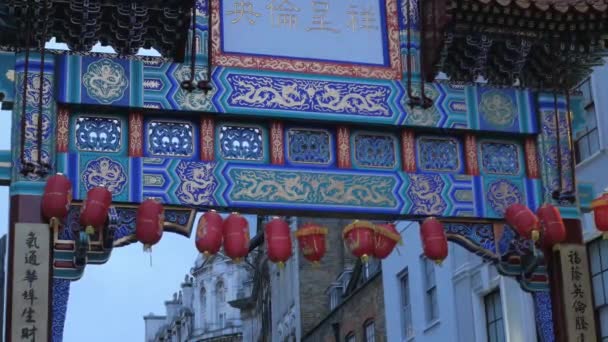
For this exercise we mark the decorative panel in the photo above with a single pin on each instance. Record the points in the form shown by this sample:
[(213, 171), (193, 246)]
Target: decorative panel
[(63, 129), (375, 150), (98, 133), (310, 146), (343, 147), (506, 110), (207, 138), (99, 81), (170, 138), (175, 181), (279, 188), (277, 143), (500, 193), (439, 154), (470, 150), (532, 167), (500, 157), (408, 154), (136, 134), (241, 142)]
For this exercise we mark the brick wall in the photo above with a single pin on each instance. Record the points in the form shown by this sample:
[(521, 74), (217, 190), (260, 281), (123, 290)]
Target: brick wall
[(365, 303), (314, 280)]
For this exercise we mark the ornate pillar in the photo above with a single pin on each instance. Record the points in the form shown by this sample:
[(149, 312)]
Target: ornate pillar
[(33, 134)]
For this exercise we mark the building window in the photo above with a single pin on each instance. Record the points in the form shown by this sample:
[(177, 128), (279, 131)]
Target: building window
[(430, 288), (598, 255), (586, 139), (369, 331), (334, 297), (203, 301), (406, 305), (222, 320), (494, 320), (350, 337), (220, 292)]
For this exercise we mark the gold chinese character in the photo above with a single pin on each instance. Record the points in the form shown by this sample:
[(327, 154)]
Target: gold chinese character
[(243, 9), (283, 14), (319, 20), (364, 19)]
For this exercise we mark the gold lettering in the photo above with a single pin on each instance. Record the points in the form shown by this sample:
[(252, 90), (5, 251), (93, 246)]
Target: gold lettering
[(319, 19), (243, 9), (364, 19), (283, 14)]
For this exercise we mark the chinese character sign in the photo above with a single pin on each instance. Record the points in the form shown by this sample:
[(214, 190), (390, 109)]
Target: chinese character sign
[(577, 293), (351, 31), (30, 295)]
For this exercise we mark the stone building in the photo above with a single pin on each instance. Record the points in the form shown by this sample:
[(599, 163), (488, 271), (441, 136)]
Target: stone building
[(200, 311)]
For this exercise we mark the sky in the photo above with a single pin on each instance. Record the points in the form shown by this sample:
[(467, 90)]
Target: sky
[(108, 303)]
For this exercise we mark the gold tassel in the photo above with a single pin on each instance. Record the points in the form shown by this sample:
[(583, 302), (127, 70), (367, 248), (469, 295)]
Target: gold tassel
[(90, 230), (281, 265), (605, 235), (535, 235), (439, 262), (364, 258)]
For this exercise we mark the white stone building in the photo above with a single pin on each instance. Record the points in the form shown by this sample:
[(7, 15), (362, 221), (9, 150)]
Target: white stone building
[(463, 300), (201, 310)]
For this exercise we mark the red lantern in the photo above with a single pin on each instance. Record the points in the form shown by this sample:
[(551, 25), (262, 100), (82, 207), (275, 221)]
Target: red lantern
[(359, 238), (385, 240), (149, 223), (94, 212), (523, 220), (278, 238), (554, 230), (600, 214), (236, 237), (311, 239), (434, 240), (209, 233), (56, 198)]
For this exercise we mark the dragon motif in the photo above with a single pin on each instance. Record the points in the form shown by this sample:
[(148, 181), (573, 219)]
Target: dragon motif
[(334, 99), (309, 95), (425, 193), (194, 100), (312, 188), (104, 171), (33, 89), (31, 126), (105, 81), (497, 108), (197, 183), (501, 194)]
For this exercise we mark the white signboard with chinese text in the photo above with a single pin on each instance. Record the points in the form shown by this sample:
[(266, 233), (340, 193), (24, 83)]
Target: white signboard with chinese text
[(350, 38), (30, 283), (347, 31), (578, 305)]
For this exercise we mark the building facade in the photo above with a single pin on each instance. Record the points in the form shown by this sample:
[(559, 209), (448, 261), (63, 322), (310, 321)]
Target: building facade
[(201, 310), (462, 300), (591, 143)]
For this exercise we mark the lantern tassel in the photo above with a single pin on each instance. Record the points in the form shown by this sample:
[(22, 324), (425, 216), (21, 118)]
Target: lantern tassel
[(281, 265), (605, 235), (365, 258), (315, 264), (535, 235), (54, 223), (90, 230), (439, 262), (206, 254)]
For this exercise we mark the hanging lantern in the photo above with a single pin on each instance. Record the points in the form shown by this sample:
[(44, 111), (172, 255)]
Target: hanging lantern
[(278, 239), (56, 199), (149, 223), (359, 238), (209, 233), (600, 214), (554, 230), (434, 240), (94, 212), (236, 237), (523, 220), (311, 238), (385, 240)]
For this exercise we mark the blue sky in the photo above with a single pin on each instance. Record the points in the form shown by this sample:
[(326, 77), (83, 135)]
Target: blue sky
[(109, 302)]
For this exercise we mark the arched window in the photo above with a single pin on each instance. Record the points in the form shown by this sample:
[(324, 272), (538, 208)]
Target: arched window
[(203, 299), (350, 337), (220, 292), (369, 331)]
